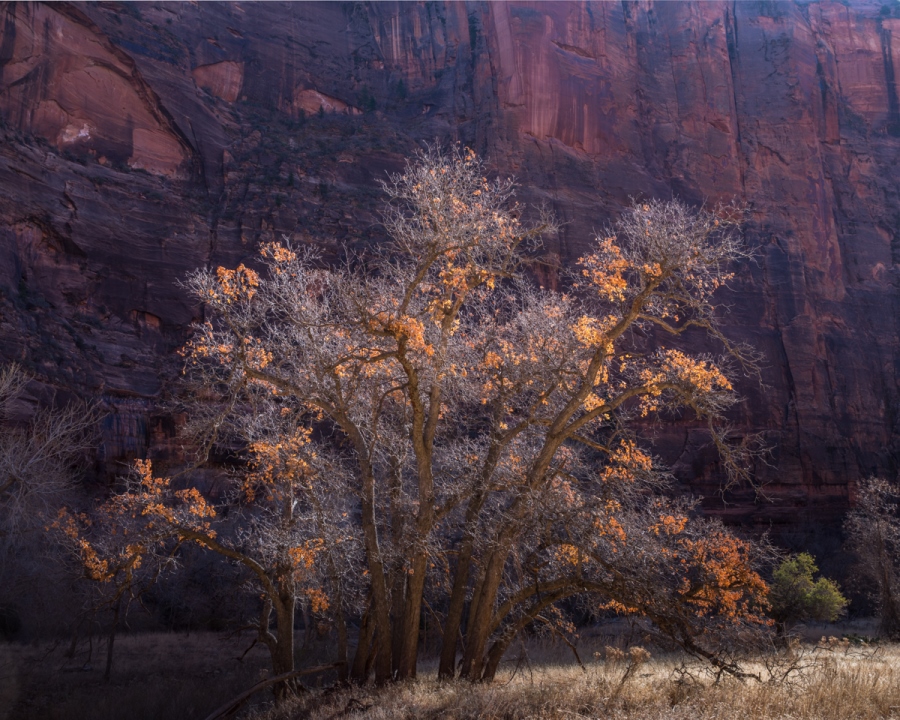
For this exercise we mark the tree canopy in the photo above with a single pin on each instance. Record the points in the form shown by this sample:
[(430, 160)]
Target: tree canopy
[(431, 437)]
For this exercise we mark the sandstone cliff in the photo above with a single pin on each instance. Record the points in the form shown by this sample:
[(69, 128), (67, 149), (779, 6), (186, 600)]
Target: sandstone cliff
[(143, 140)]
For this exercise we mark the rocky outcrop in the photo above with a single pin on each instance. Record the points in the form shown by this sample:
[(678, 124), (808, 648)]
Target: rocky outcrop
[(142, 141), (65, 82)]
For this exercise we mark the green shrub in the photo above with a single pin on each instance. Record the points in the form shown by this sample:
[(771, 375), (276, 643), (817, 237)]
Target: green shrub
[(796, 597)]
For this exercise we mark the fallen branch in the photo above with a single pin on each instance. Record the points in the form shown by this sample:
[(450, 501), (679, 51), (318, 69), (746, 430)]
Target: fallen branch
[(234, 704)]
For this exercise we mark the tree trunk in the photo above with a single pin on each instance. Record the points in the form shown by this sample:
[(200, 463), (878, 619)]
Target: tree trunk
[(495, 655), (398, 598), (334, 578), (380, 609), (370, 661), (359, 673), (480, 614), (447, 667), (412, 619), (340, 624), (283, 649), (340, 619), (398, 568), (409, 622), (307, 624), (112, 639), (499, 648), (482, 608), (73, 646)]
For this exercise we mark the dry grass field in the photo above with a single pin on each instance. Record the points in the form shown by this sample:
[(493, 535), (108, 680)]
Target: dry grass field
[(834, 681), (168, 676)]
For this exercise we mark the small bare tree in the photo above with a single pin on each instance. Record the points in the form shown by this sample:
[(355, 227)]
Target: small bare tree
[(38, 457), (42, 452), (873, 531)]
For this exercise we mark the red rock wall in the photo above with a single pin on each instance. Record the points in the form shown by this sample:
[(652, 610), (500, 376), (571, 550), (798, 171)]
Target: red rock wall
[(144, 140)]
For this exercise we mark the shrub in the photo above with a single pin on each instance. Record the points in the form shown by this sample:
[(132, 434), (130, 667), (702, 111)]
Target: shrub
[(796, 597)]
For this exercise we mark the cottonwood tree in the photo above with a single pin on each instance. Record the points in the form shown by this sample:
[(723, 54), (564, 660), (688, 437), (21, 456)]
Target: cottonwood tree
[(471, 433), (873, 532)]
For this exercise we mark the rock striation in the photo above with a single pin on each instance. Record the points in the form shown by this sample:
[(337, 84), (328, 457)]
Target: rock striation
[(143, 140)]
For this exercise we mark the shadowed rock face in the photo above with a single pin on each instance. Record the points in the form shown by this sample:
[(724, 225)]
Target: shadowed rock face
[(142, 141)]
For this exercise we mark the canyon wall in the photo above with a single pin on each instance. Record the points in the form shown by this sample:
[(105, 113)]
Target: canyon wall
[(141, 141)]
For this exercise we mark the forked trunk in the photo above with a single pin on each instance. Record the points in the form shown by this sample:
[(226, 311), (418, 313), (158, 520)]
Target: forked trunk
[(501, 645)]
